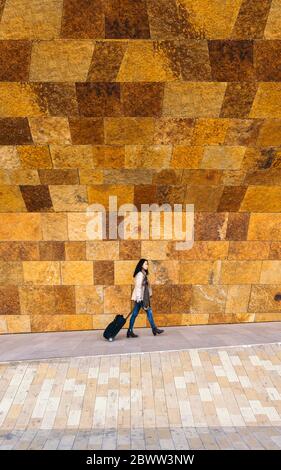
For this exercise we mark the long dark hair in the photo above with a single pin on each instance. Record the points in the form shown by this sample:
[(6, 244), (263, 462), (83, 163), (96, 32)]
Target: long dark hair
[(139, 267)]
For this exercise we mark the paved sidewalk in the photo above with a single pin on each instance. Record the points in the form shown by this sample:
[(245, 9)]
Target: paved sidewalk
[(91, 343)]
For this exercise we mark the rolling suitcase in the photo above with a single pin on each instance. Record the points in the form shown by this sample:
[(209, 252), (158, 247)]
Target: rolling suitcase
[(115, 326)]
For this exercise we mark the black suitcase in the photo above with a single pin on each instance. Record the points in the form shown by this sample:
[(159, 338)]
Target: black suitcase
[(115, 326)]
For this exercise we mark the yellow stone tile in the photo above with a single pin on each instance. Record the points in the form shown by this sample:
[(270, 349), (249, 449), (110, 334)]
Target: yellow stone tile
[(23, 177), (268, 316), (31, 19), (147, 156), (11, 273), (100, 322), (18, 100), (50, 130), (54, 226), (270, 133), (3, 324), (34, 156), (266, 102), (208, 299), (195, 319), (262, 199), (89, 299), (77, 272), (61, 60), (123, 272), (108, 156), (129, 130), (78, 225), (117, 299), (204, 198), (193, 99), (264, 227), (11, 199), (8, 157), (243, 317), (206, 250), (240, 272), (144, 62), (43, 323), (214, 17), (248, 250), (78, 322), (195, 272), (273, 24), (20, 227), (41, 272), (5, 177), (164, 272), (72, 156), (99, 194), (223, 158), (237, 298), (155, 249), (69, 197), (88, 176), (18, 323), (270, 272), (102, 250), (186, 156), (210, 131)]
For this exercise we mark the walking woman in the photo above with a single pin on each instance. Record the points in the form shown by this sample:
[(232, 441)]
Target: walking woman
[(141, 295)]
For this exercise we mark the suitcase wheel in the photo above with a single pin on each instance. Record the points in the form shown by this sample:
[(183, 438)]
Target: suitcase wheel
[(110, 339)]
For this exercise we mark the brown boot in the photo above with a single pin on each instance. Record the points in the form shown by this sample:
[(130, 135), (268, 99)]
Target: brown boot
[(131, 334)]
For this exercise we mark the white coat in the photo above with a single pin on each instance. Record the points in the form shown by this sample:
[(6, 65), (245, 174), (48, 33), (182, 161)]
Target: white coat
[(138, 291)]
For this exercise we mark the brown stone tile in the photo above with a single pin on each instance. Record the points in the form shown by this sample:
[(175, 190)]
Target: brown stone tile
[(14, 131), (33, 296), (210, 226), (58, 99), (171, 194), (238, 99), (231, 198), (14, 60), (202, 177), (103, 272), (251, 20), (237, 226), (129, 249), (82, 19), (166, 176), (142, 99), (268, 177), (64, 299), (106, 61), (249, 250), (231, 61), (126, 19), (117, 299), (99, 99), (109, 156), (275, 250), (243, 132), (37, 198), (11, 273), (86, 131), (188, 59), (75, 251), (58, 176), (181, 298), (51, 251), (9, 300), (144, 194), (268, 60), (161, 299), (204, 198), (19, 251), (173, 130)]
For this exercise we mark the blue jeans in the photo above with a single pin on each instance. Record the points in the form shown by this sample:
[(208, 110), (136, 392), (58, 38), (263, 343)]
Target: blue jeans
[(137, 307)]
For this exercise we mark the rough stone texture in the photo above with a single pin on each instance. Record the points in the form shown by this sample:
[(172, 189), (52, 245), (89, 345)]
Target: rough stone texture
[(152, 101)]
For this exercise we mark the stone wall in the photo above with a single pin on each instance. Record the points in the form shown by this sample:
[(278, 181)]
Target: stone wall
[(172, 101)]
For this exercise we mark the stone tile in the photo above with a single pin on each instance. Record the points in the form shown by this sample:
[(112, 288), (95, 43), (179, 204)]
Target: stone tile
[(106, 61), (268, 52), (167, 176), (231, 61), (123, 272), (204, 198), (117, 299), (50, 130), (19, 100), (209, 299), (191, 99), (89, 299), (262, 299), (77, 272), (100, 194), (86, 131), (251, 20), (210, 226), (165, 272), (237, 298), (195, 272), (99, 99), (102, 250), (173, 131), (37, 198), (103, 272), (8, 158), (147, 156), (237, 226), (107, 156), (231, 198), (14, 131), (14, 60), (186, 156), (206, 250), (57, 99), (262, 199), (265, 104), (82, 20), (11, 199), (210, 131), (270, 133), (272, 28), (41, 272), (52, 251), (222, 157), (18, 324), (126, 19), (31, 19), (238, 99), (75, 251), (249, 250), (20, 227), (11, 273), (244, 132), (54, 226), (129, 249), (240, 272), (90, 177), (142, 99), (270, 272), (33, 156), (202, 177), (23, 177), (9, 300), (129, 130), (72, 156), (32, 296), (275, 250), (181, 298), (69, 197), (58, 176), (19, 251), (61, 60), (264, 227)]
